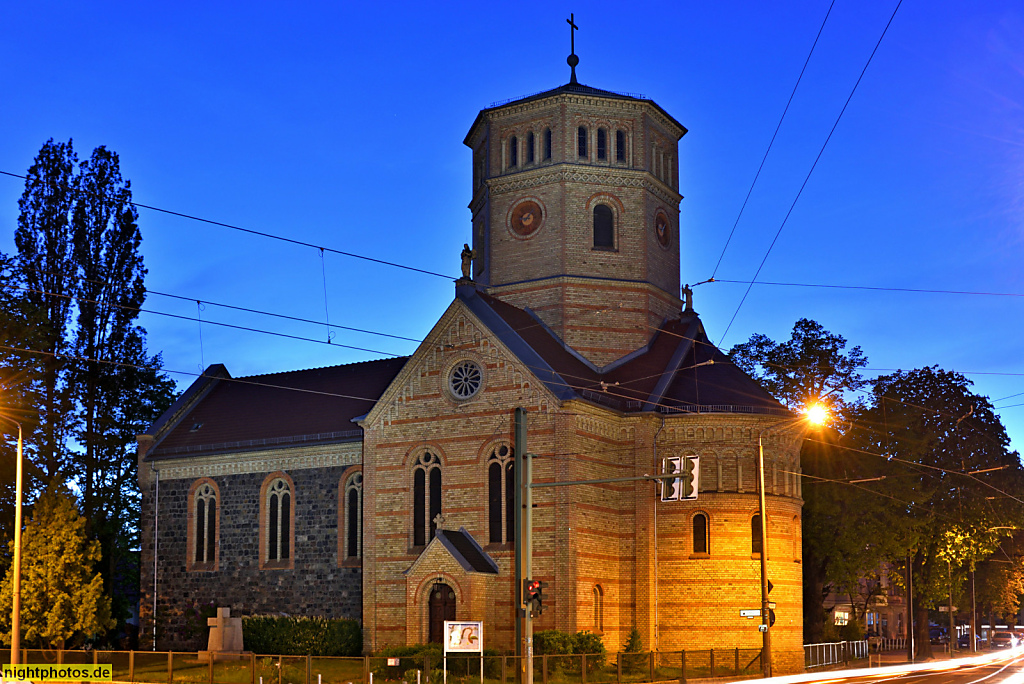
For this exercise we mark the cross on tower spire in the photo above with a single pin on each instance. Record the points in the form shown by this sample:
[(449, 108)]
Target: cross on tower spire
[(573, 60)]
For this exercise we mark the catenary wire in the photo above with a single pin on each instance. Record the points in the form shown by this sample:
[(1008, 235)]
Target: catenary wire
[(811, 171), (871, 288), (772, 141), (250, 231)]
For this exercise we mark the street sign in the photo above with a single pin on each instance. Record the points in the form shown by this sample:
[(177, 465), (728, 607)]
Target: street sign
[(943, 609), (750, 613), (771, 605)]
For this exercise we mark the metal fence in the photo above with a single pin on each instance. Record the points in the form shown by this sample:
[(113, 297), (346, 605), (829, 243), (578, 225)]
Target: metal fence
[(820, 655), (619, 668)]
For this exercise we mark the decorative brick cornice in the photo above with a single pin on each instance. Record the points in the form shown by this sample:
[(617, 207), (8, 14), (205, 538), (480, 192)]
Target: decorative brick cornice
[(305, 458), (576, 173)]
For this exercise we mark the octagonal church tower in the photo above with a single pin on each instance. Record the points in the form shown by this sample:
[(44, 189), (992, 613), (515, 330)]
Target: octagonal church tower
[(576, 214)]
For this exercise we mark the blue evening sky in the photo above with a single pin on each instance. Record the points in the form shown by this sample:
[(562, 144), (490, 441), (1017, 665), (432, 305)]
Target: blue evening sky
[(341, 125)]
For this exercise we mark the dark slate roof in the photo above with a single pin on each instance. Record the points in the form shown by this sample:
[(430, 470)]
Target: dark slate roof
[(222, 414), (679, 371), (466, 551)]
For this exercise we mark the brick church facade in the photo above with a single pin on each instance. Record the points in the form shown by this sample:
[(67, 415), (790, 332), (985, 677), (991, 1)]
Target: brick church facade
[(382, 491)]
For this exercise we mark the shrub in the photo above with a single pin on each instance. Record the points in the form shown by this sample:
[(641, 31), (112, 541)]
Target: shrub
[(634, 645), (316, 636), (556, 642)]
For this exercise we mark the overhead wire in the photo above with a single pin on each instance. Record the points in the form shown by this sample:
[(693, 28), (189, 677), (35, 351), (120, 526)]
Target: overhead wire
[(772, 141), (810, 172), (250, 231)]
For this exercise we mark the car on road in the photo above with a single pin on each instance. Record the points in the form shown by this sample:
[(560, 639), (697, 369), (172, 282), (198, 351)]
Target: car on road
[(1005, 640), (965, 641), (937, 636)]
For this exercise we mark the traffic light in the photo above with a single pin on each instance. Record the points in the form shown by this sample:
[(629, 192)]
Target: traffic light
[(533, 595), (687, 485)]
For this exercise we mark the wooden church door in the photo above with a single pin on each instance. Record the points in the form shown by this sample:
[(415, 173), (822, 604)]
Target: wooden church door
[(442, 607)]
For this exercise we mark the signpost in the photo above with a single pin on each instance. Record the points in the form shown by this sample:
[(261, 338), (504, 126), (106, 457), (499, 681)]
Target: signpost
[(463, 637)]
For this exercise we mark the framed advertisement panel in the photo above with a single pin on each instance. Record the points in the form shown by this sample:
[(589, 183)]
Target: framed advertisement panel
[(463, 636)]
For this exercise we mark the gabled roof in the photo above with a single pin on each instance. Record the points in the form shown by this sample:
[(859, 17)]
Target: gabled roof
[(465, 549), (222, 414), (679, 371)]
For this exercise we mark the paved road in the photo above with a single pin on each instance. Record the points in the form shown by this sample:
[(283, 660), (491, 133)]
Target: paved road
[(1005, 667)]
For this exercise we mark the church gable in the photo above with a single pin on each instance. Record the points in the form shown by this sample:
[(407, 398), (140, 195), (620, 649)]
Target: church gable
[(455, 368)]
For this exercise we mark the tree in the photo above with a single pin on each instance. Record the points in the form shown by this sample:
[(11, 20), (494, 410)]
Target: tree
[(813, 366), (61, 597), (81, 276), (935, 434), (117, 388), (49, 282)]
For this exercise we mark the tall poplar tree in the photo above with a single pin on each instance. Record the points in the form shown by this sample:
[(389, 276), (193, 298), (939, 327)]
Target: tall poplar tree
[(95, 385), (50, 282)]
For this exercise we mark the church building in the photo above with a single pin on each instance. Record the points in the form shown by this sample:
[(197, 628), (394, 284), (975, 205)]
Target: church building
[(383, 491)]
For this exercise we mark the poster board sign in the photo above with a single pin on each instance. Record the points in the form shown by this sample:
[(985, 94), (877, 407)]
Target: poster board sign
[(463, 636)]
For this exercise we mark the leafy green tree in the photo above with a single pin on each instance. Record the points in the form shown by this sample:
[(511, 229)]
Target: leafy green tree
[(935, 434), (813, 366), (62, 600)]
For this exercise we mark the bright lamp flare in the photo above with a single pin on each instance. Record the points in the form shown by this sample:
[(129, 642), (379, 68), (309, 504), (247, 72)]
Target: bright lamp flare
[(817, 414)]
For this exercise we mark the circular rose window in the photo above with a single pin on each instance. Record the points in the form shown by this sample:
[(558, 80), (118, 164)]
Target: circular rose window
[(464, 379), (526, 218)]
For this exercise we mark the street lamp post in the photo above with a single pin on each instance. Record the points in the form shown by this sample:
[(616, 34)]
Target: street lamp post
[(16, 609), (816, 414), (766, 648)]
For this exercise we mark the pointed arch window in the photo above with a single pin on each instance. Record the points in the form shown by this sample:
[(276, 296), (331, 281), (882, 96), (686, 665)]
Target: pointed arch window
[(547, 144), (604, 227), (620, 146), (277, 528), (700, 534), (598, 609), (530, 151), (513, 152), (581, 141), (602, 144), (501, 496), (203, 526), (426, 497), (350, 528)]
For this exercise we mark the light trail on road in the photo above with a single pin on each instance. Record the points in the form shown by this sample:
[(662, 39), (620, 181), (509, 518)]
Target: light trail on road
[(1005, 667)]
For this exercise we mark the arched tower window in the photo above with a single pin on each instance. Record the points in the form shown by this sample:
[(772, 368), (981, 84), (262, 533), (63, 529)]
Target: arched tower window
[(352, 517), (513, 152), (602, 144), (547, 144), (581, 141), (501, 496), (598, 609), (700, 533), (755, 534), (604, 226), (202, 527), (426, 497), (620, 146), (530, 153), (278, 533)]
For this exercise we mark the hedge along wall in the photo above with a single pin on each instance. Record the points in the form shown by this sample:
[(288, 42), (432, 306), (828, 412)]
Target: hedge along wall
[(317, 636)]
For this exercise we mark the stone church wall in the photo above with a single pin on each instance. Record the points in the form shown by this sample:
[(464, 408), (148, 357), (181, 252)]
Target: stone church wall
[(315, 586)]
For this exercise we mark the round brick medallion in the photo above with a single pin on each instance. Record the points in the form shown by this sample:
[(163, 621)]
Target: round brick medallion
[(661, 228), (526, 218)]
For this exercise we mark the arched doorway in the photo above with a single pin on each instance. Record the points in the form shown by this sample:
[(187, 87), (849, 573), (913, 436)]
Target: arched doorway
[(442, 607)]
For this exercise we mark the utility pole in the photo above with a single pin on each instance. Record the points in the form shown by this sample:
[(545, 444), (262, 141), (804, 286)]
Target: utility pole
[(952, 618), (974, 617), (910, 610), (524, 547)]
